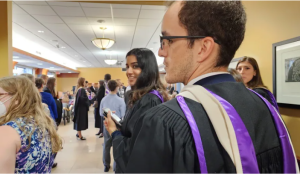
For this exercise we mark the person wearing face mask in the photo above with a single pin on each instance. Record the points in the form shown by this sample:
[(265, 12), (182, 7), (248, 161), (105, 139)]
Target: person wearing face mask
[(146, 92), (249, 70), (28, 137), (215, 124)]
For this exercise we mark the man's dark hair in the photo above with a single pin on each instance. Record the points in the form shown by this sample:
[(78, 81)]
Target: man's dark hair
[(112, 85), (39, 83), (224, 21), (107, 77)]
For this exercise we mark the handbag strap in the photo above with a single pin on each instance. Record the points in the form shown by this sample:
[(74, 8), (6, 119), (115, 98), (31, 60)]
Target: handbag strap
[(155, 92)]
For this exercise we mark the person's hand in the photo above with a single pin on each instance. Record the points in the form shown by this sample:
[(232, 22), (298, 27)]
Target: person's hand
[(109, 124)]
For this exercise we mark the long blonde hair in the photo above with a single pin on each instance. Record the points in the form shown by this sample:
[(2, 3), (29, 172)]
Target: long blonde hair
[(26, 102)]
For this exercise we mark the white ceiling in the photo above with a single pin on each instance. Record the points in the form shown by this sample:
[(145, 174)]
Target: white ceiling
[(24, 60), (74, 25)]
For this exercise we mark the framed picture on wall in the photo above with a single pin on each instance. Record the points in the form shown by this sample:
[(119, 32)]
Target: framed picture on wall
[(286, 72)]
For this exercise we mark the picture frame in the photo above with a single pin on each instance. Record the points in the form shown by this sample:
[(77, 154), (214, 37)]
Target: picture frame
[(286, 72)]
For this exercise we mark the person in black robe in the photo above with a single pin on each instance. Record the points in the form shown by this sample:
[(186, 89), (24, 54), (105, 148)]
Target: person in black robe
[(143, 76), (162, 139), (81, 109), (98, 118), (249, 70)]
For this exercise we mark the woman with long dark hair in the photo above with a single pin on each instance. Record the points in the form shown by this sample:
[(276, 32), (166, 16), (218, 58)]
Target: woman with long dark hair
[(147, 92), (249, 70), (50, 88), (81, 108)]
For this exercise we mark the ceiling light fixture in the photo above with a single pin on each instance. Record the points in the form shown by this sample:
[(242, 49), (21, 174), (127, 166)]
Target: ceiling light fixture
[(40, 31), (63, 47), (110, 61), (103, 43)]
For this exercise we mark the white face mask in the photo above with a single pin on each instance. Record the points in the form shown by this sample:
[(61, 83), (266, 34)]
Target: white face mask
[(3, 108)]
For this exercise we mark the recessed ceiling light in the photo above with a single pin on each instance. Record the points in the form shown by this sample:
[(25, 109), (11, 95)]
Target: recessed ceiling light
[(16, 57), (63, 47), (40, 31), (69, 72), (40, 63)]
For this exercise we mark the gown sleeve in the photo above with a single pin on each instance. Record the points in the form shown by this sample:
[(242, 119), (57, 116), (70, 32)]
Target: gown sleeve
[(122, 144), (163, 144)]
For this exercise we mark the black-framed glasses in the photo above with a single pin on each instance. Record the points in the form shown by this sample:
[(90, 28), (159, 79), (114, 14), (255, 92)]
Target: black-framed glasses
[(186, 37)]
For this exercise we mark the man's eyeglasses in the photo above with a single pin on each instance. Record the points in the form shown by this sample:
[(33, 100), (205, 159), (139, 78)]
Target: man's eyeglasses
[(169, 39)]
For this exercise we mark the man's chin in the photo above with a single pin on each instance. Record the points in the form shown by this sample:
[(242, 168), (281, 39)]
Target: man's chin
[(170, 80)]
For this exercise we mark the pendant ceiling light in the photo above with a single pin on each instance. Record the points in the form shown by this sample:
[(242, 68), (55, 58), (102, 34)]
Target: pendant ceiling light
[(110, 61), (103, 43)]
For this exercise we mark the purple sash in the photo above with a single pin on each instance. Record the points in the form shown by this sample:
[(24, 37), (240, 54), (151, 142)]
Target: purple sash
[(245, 145), (289, 162), (272, 98), (155, 92), (196, 134)]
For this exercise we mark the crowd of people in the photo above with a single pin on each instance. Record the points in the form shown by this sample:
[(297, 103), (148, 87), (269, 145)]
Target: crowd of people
[(223, 120)]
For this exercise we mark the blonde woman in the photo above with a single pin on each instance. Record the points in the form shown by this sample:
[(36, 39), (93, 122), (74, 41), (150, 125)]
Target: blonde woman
[(28, 135)]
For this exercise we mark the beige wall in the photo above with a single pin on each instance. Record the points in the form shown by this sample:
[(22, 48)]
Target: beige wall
[(93, 75), (268, 23)]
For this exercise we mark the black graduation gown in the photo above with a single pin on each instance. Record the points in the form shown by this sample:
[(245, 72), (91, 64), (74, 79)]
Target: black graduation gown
[(81, 109), (263, 93), (122, 144), (164, 142), (99, 97)]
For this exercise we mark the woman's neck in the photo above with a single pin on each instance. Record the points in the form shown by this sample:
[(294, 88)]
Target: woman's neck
[(41, 90)]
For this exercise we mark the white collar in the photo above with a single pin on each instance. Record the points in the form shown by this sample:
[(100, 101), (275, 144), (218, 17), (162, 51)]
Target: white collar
[(193, 81)]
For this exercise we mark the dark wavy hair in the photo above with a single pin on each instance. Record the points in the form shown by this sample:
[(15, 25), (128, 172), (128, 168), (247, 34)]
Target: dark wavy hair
[(149, 78)]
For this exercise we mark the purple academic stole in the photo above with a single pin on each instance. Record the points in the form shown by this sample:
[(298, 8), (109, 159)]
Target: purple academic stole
[(155, 92), (289, 162), (246, 148), (106, 88)]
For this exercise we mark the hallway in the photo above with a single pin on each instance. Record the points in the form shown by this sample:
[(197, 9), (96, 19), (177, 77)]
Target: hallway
[(80, 156)]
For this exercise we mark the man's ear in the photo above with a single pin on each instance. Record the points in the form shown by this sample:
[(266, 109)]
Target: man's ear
[(203, 48)]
